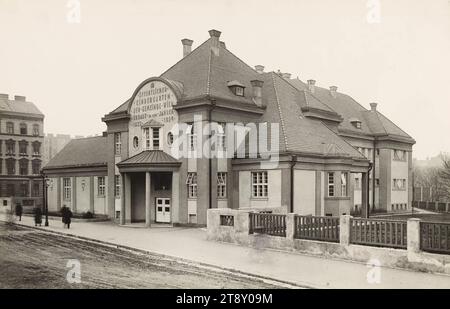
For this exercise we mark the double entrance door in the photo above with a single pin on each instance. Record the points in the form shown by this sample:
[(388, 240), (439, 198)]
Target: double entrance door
[(163, 210)]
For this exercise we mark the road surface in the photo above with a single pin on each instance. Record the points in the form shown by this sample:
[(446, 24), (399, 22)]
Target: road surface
[(34, 259)]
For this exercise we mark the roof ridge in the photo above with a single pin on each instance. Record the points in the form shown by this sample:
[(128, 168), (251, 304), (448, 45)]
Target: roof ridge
[(279, 111)]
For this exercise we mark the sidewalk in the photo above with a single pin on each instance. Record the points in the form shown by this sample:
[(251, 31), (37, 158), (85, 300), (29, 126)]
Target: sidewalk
[(191, 244)]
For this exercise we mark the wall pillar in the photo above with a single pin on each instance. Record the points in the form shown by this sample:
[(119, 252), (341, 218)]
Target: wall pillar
[(345, 230), (147, 200), (290, 226), (413, 238), (74, 194), (175, 201), (91, 194), (122, 201)]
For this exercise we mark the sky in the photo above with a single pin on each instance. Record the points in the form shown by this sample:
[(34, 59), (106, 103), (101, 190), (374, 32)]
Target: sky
[(78, 67)]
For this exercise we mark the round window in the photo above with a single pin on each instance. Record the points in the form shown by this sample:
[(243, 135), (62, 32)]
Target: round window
[(170, 138), (135, 142)]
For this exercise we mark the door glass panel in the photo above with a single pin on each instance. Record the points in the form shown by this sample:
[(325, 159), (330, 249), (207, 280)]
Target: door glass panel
[(167, 209), (160, 208), (167, 202)]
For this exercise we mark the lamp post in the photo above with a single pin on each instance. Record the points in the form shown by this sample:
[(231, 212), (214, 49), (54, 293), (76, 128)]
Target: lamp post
[(45, 184)]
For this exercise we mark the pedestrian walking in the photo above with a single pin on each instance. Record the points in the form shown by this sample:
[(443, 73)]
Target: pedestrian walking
[(19, 210), (66, 216), (37, 216)]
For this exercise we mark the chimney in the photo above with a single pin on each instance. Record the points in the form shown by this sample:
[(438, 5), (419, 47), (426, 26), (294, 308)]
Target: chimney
[(257, 92), (333, 91), (286, 75), (4, 96), (215, 36), (19, 98), (259, 68), (187, 46), (373, 107), (311, 84)]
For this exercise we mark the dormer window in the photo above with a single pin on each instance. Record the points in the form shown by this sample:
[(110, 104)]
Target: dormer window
[(356, 123), (237, 88)]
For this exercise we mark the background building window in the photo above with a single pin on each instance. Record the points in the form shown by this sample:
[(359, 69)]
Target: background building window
[(155, 138), (36, 130), (101, 186), (117, 143), (221, 185), (36, 167), (117, 186), (260, 184), (191, 181), (10, 147), (23, 148), (331, 184), (67, 189), (36, 148), (344, 184), (11, 166), (11, 189), (10, 128), (23, 189), (23, 129), (36, 189), (23, 167)]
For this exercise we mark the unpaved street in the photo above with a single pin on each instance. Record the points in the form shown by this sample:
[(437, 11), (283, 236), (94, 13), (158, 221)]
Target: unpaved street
[(33, 259)]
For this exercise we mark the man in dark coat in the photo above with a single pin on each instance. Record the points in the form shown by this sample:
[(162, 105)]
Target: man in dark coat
[(66, 216), (37, 216), (19, 211)]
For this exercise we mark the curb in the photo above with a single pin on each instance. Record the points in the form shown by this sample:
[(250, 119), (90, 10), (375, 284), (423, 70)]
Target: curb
[(265, 279)]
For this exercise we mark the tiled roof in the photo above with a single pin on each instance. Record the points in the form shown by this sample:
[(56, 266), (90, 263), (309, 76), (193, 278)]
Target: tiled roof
[(22, 107), (150, 157), (81, 152), (299, 133), (344, 105)]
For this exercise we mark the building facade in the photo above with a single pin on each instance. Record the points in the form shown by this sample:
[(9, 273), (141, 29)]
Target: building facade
[(21, 138), (212, 131)]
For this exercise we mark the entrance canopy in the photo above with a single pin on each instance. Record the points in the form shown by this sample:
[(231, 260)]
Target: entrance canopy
[(149, 161)]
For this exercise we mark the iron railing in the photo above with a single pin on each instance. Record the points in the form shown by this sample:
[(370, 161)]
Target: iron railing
[(382, 233), (316, 228)]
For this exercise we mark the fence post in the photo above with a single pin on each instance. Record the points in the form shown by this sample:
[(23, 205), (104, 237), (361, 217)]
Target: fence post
[(290, 226), (345, 230), (413, 237), (447, 209), (436, 206)]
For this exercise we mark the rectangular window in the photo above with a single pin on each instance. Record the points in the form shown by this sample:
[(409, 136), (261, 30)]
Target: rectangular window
[(344, 184), (221, 140), (36, 166), (117, 143), (260, 185), (221, 185), (23, 189), (101, 186), (155, 138), (36, 130), (191, 181), (11, 166), (147, 138), (36, 149), (192, 138), (36, 190), (10, 128), (117, 186), (67, 189), (10, 147), (331, 184), (23, 167), (399, 155)]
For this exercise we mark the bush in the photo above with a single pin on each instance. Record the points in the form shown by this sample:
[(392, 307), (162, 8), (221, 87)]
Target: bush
[(87, 215)]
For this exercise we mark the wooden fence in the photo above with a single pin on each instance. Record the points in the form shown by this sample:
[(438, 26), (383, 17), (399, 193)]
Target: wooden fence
[(269, 224), (316, 228), (435, 237), (383, 233), (433, 206)]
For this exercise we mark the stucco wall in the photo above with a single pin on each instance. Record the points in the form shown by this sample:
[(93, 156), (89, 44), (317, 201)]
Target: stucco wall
[(304, 192), (274, 191), (83, 194)]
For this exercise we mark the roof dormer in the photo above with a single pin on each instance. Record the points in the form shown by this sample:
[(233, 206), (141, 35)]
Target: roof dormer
[(237, 88), (355, 122)]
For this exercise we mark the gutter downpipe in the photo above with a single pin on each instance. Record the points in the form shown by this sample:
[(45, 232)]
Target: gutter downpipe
[(213, 105), (293, 162), (368, 191), (373, 173)]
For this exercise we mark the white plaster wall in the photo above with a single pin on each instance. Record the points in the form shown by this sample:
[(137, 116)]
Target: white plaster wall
[(192, 207), (192, 164), (274, 188), (304, 192), (223, 203), (83, 195), (399, 170), (244, 189), (222, 165), (53, 194), (100, 202)]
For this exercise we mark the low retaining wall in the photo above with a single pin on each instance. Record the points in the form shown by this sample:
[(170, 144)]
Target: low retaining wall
[(232, 226)]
